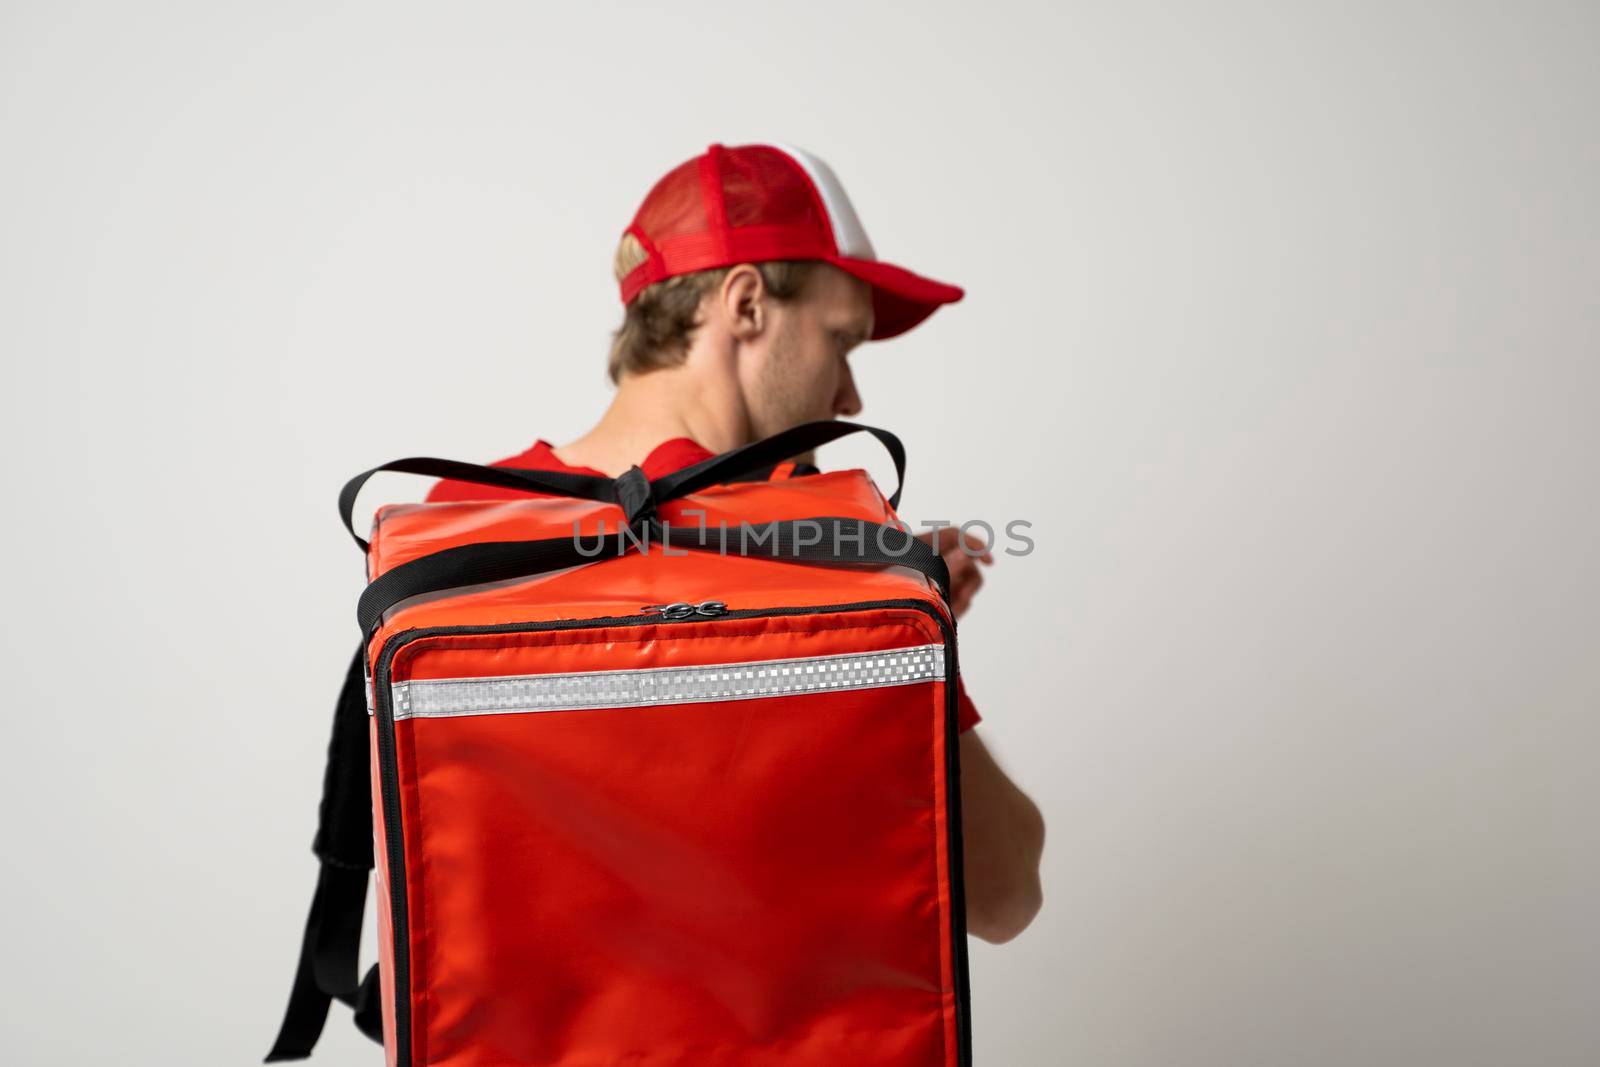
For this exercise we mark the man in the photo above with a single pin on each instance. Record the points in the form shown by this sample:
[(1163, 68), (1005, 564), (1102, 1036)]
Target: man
[(747, 281)]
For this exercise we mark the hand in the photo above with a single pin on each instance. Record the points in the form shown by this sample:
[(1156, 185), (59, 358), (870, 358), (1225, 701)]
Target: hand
[(962, 556)]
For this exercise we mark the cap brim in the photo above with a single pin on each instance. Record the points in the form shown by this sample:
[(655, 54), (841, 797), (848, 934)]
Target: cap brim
[(900, 299)]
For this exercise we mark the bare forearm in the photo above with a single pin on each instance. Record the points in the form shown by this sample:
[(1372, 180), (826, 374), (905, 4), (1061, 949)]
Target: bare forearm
[(1003, 840)]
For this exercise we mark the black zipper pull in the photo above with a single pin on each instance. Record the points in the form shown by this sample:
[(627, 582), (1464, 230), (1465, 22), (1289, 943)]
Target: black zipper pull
[(682, 609)]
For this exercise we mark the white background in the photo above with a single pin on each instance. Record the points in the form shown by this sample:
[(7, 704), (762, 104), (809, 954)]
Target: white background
[(1283, 329)]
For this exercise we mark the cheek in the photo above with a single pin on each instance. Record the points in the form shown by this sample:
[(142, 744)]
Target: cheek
[(824, 378), (822, 366)]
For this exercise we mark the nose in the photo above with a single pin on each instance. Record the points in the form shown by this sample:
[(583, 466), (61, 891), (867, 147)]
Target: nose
[(847, 401)]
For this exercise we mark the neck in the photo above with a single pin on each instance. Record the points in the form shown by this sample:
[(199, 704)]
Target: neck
[(659, 406)]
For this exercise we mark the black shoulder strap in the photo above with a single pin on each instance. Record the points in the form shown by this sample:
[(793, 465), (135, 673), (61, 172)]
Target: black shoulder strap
[(328, 966)]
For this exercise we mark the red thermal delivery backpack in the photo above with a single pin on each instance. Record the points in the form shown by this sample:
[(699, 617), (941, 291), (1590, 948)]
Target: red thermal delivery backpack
[(652, 773)]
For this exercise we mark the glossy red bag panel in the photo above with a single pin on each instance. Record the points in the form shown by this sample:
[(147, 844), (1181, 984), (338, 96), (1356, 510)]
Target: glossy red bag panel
[(403, 532), (742, 881)]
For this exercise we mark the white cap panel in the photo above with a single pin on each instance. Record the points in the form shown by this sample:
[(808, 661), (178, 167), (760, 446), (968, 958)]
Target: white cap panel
[(848, 233)]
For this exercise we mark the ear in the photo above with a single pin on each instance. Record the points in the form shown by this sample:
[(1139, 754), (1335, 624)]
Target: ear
[(745, 302)]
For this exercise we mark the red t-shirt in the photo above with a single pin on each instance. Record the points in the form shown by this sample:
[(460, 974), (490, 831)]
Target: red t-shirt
[(667, 457)]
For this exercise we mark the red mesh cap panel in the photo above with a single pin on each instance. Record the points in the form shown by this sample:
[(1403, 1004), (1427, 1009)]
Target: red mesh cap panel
[(675, 206), (762, 187), (731, 205)]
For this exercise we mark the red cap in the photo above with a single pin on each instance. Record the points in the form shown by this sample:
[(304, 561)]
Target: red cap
[(759, 202)]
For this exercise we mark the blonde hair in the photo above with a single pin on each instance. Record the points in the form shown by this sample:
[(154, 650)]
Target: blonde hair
[(659, 323)]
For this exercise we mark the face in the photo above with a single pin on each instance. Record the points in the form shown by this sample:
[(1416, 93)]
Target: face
[(804, 373)]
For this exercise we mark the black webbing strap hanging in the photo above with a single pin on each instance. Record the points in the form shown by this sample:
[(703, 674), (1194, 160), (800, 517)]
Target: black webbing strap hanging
[(730, 466), (829, 541), (328, 965), (556, 483), (737, 465)]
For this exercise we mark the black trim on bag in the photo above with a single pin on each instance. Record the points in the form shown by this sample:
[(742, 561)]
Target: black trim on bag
[(875, 545), (389, 774)]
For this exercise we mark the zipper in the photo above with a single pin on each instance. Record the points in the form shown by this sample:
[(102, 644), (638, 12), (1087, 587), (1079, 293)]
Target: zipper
[(682, 609), (389, 771)]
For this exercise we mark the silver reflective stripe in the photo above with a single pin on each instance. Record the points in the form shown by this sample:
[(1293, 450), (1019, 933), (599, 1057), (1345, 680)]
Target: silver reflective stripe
[(446, 697)]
